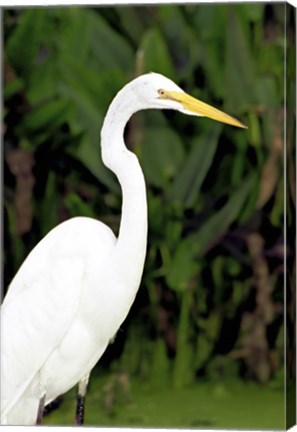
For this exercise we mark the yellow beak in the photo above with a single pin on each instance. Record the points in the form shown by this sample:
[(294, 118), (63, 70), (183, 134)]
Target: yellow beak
[(196, 107)]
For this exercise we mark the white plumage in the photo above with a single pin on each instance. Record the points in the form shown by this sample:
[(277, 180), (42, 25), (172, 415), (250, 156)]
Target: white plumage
[(76, 287)]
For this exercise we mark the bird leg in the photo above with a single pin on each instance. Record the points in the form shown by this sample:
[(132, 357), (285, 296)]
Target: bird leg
[(80, 404), (40, 410)]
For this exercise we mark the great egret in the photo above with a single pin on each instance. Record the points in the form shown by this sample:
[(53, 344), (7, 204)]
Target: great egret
[(76, 287)]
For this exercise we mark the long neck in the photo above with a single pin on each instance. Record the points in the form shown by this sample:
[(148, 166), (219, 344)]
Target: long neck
[(131, 243)]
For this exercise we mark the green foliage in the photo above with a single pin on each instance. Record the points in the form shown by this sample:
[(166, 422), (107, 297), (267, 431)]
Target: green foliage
[(187, 183), (161, 155), (22, 56), (183, 365), (218, 223), (156, 54), (160, 366), (200, 406), (241, 91), (211, 187)]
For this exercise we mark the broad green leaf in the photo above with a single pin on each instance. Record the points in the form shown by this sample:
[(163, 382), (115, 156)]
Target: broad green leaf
[(209, 20), (212, 325), (204, 347), (160, 367), (272, 62), (48, 116), (90, 95), (187, 184), (212, 59), (74, 32), (254, 130), (268, 92), (89, 154), (156, 216), (173, 232), (94, 89), (128, 15), (76, 206), (240, 76), (48, 79), (183, 362), (109, 49), (23, 45), (180, 37), (254, 13), (217, 225), (100, 47), (156, 54), (161, 155), (183, 267)]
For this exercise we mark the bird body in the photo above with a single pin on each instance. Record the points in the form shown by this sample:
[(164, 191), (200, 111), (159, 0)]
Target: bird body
[(56, 300), (72, 318), (76, 287)]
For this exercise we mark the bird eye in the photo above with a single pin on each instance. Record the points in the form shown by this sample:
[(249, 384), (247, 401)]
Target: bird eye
[(161, 92)]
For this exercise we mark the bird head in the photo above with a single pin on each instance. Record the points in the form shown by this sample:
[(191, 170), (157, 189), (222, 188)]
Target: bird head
[(160, 92)]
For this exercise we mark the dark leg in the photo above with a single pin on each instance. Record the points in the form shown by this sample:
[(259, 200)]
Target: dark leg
[(80, 410), (80, 404), (40, 410)]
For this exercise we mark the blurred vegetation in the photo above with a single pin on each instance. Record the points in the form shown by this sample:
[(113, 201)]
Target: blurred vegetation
[(198, 406), (211, 302)]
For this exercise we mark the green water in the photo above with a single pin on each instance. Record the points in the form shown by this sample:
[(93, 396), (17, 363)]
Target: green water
[(225, 405)]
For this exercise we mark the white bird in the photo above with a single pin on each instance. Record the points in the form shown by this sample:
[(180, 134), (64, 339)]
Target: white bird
[(76, 287)]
